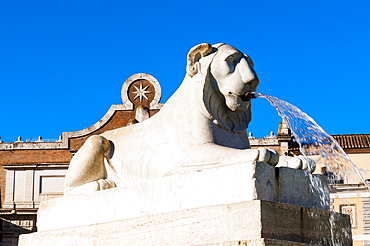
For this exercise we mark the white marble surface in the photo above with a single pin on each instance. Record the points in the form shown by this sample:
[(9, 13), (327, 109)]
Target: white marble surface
[(223, 185), (244, 223)]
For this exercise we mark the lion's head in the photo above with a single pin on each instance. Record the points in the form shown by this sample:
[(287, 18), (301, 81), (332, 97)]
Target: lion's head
[(228, 75)]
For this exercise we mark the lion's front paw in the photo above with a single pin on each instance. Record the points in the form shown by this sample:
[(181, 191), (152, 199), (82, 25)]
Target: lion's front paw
[(269, 156), (100, 184), (297, 162)]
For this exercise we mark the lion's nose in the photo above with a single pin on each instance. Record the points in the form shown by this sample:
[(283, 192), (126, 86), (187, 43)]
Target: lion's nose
[(248, 74), (253, 83)]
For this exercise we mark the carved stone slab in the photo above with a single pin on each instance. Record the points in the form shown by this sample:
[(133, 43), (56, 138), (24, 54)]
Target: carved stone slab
[(227, 184), (254, 223)]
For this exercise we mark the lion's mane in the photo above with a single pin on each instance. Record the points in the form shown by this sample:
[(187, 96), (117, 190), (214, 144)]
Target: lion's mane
[(220, 114)]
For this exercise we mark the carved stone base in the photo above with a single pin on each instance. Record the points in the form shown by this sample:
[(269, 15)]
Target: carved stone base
[(247, 203), (228, 184), (245, 223), (258, 242)]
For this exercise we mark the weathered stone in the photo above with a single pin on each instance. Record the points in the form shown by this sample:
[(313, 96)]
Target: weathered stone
[(324, 227), (277, 217), (257, 242), (293, 188), (227, 184), (301, 188), (318, 190), (246, 223)]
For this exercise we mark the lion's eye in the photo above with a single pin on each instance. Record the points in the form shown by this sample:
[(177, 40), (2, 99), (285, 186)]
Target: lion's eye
[(231, 59)]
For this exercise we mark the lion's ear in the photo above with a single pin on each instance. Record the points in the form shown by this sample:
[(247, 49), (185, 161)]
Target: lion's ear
[(194, 56)]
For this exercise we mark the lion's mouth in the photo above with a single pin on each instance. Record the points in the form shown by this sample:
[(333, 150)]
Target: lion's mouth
[(238, 103), (247, 97)]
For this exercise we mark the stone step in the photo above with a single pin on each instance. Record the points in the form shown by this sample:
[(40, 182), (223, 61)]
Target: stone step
[(258, 242), (268, 223)]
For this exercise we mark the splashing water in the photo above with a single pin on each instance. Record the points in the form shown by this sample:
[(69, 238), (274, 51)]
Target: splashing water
[(314, 141)]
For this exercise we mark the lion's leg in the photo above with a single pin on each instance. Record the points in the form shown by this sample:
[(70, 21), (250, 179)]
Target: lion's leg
[(86, 171)]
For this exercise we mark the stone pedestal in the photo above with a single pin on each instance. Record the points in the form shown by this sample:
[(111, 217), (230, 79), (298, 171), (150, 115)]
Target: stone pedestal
[(247, 203), (245, 223)]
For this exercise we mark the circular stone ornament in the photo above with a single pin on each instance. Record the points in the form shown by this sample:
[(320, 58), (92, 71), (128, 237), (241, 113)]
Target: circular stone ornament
[(128, 104)]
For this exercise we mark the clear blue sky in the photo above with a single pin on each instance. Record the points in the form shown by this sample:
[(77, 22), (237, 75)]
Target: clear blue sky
[(63, 63)]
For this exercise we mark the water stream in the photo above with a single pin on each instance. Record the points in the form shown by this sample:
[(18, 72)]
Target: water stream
[(314, 142)]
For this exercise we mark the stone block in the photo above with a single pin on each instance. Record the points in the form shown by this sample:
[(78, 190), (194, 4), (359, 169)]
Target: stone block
[(325, 227), (318, 190), (227, 184), (276, 216), (258, 242), (245, 223), (293, 186), (304, 189), (224, 185)]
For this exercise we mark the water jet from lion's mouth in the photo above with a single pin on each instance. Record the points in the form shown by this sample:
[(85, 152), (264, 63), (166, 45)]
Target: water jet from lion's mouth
[(313, 141)]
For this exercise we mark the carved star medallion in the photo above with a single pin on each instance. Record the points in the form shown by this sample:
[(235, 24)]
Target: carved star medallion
[(140, 92)]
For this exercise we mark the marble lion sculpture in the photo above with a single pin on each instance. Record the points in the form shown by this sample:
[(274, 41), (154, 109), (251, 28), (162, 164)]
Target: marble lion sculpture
[(203, 125)]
